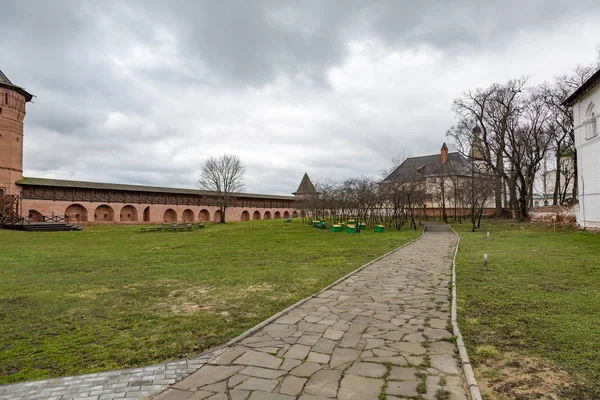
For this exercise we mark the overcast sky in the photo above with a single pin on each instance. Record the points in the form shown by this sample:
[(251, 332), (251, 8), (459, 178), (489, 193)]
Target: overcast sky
[(143, 91)]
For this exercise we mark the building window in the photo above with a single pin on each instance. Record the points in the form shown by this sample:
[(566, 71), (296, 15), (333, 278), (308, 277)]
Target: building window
[(591, 126), (6, 98)]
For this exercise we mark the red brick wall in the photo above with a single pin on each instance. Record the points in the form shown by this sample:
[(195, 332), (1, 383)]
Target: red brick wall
[(156, 214)]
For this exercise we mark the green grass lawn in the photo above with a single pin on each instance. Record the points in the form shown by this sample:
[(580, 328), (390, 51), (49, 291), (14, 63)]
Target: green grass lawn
[(112, 297), (538, 296)]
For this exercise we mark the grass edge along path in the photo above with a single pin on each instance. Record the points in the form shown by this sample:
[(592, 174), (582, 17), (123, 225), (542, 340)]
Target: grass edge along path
[(111, 297), (539, 296)]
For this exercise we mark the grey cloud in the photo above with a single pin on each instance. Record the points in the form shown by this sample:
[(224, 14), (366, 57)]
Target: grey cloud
[(194, 96)]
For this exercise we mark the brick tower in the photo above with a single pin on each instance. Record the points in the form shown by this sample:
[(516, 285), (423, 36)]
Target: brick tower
[(12, 112)]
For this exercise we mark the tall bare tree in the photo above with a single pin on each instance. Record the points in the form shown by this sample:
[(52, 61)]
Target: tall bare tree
[(491, 109), (563, 142), (223, 175), (528, 138), (393, 191)]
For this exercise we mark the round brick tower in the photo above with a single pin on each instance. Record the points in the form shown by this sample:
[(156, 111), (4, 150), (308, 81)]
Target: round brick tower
[(12, 112)]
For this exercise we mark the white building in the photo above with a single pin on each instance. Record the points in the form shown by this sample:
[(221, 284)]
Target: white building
[(585, 102)]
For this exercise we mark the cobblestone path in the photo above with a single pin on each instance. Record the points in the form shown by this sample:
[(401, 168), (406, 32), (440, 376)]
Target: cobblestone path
[(134, 383), (381, 332)]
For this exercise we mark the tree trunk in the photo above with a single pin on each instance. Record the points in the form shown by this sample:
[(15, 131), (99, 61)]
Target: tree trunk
[(512, 187), (444, 215), (498, 185), (556, 179), (523, 209), (530, 197), (498, 196), (505, 193)]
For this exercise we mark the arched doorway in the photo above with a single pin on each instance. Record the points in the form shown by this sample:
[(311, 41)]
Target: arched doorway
[(170, 216), (35, 216), (245, 216), (267, 215), (204, 216), (75, 213), (147, 214), (256, 216), (277, 215), (286, 214), (217, 216), (188, 216), (128, 213), (104, 213), (295, 214)]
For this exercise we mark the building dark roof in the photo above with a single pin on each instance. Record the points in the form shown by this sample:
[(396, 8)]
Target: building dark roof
[(588, 85), (6, 83), (418, 168), (133, 188), (306, 186)]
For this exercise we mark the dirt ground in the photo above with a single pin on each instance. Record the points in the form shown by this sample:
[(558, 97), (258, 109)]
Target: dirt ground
[(517, 377)]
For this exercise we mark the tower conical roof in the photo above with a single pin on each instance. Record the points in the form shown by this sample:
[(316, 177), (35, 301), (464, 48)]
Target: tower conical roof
[(6, 83), (306, 186), (4, 79)]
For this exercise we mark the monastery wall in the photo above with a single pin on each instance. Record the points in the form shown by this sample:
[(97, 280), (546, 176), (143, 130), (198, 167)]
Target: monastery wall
[(98, 212)]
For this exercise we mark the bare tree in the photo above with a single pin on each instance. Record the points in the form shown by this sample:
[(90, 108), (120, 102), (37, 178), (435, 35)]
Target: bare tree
[(541, 186), (529, 134), (493, 110), (483, 192), (224, 176), (396, 161), (568, 174), (392, 191), (564, 139)]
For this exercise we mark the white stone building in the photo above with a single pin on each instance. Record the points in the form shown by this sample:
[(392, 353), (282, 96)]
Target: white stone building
[(585, 102)]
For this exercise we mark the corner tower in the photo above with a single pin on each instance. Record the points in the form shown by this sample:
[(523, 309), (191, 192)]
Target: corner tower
[(306, 190), (12, 113)]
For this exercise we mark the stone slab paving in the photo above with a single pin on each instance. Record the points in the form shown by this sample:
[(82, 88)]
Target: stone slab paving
[(381, 333), (135, 383)]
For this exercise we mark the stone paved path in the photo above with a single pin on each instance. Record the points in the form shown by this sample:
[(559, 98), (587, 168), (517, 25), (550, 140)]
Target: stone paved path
[(383, 331), (134, 383)]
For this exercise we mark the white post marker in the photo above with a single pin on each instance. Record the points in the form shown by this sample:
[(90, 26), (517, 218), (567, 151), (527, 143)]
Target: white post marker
[(485, 259)]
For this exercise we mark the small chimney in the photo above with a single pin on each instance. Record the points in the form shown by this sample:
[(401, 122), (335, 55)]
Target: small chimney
[(444, 153)]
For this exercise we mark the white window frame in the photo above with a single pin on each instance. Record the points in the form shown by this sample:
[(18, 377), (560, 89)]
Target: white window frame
[(591, 122)]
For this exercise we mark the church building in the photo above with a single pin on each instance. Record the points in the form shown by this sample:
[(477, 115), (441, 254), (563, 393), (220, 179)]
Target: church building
[(585, 103)]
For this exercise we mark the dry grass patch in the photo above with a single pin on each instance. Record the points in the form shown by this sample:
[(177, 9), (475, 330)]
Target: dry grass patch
[(516, 377)]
